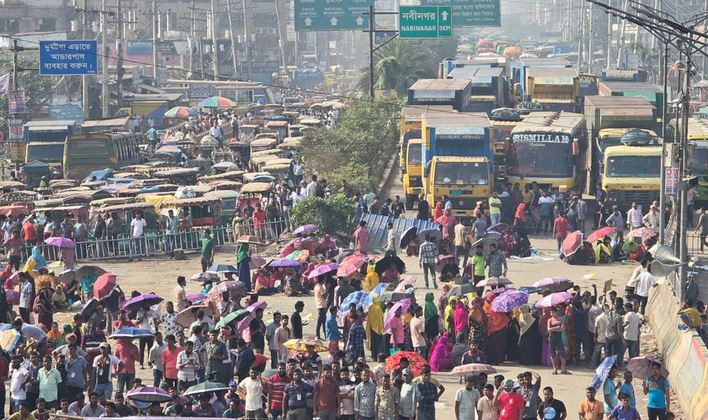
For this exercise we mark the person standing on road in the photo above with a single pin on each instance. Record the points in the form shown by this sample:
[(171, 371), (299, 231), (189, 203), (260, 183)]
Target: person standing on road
[(423, 208), (656, 388), (609, 391), (326, 398), (427, 394), (295, 398), (590, 408), (496, 262), (631, 323), (365, 398), (321, 305), (137, 230), (551, 408), (645, 282), (427, 258), (207, 254), (466, 400), (560, 230), (361, 238), (252, 389), (180, 293)]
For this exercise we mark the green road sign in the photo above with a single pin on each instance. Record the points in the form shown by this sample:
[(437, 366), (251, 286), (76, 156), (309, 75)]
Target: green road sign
[(331, 15), (470, 12), (425, 22)]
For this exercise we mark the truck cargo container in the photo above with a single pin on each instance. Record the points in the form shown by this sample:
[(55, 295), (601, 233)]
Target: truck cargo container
[(455, 93), (489, 87), (555, 89), (652, 93)]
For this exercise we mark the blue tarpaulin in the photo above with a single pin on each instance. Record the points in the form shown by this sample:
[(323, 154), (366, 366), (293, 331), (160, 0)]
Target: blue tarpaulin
[(376, 224), (101, 175)]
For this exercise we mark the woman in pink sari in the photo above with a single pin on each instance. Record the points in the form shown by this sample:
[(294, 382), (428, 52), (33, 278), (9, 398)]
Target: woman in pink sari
[(441, 357), (461, 317)]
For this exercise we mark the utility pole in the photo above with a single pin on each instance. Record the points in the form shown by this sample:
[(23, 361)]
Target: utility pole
[(683, 171), (105, 92), (662, 192), (620, 37), (280, 38), (590, 51), (233, 40), (214, 46), (192, 36), (119, 48), (154, 44), (371, 51), (246, 41), (84, 79)]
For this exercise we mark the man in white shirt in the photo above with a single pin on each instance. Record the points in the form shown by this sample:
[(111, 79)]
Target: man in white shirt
[(253, 388), (466, 400), (600, 328), (645, 281), (311, 190), (296, 195), (632, 321), (391, 238), (187, 365), (18, 378), (137, 229), (634, 217), (417, 327), (155, 359)]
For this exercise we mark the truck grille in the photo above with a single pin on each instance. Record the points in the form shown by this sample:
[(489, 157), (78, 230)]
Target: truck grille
[(625, 198), (464, 203), (415, 181)]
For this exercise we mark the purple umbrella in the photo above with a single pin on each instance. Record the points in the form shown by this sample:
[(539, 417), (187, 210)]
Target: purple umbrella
[(388, 316), (284, 262), (322, 269), (500, 290), (261, 304), (554, 299), (195, 297), (305, 229), (509, 300), (148, 299), (61, 242), (554, 284), (149, 394)]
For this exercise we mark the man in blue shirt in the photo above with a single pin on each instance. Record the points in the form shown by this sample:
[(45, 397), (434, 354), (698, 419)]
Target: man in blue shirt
[(295, 398), (627, 388), (355, 341), (426, 394), (656, 388), (332, 330)]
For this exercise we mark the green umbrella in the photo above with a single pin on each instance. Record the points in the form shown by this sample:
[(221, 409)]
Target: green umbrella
[(232, 316), (205, 387), (217, 102)]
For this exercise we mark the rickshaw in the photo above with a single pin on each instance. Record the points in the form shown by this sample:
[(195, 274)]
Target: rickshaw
[(252, 193), (248, 132), (225, 184), (291, 116), (203, 164), (310, 122), (272, 109), (56, 185), (97, 206), (221, 167), (127, 211), (229, 175), (19, 196), (262, 153), (296, 130), (16, 211), (57, 213), (228, 198), (34, 171), (279, 127), (6, 186), (265, 143), (252, 177), (203, 211), (181, 176), (277, 169), (201, 189), (207, 145), (259, 161)]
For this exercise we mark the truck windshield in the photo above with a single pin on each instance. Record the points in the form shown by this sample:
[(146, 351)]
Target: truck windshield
[(605, 142), (633, 167), (461, 173), (414, 153), (47, 153), (540, 159), (699, 163)]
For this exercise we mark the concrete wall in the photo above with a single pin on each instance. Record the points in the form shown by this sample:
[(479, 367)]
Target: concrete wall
[(684, 353)]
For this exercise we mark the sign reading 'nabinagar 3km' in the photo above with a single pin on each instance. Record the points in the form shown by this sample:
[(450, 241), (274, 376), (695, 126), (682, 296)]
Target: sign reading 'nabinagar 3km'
[(331, 15), (425, 22)]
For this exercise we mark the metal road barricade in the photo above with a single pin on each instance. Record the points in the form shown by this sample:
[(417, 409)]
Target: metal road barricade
[(161, 243)]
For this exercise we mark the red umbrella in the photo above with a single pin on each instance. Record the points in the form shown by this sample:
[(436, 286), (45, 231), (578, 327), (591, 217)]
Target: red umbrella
[(104, 285), (572, 243), (415, 361), (600, 233), (346, 270), (642, 232)]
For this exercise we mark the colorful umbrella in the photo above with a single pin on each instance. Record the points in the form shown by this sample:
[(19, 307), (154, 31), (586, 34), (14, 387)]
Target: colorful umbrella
[(148, 394), (231, 317), (104, 285), (494, 282), (602, 371), (301, 344), (387, 261), (642, 232), (148, 299), (509, 300), (500, 290), (641, 366), (222, 268), (553, 284), (473, 369), (356, 298), (305, 229), (346, 270), (132, 332), (322, 270), (227, 286), (256, 261), (205, 276), (195, 298), (284, 262), (554, 299), (373, 295), (261, 304), (217, 102), (291, 246), (244, 323), (600, 233), (572, 242), (408, 281), (60, 241), (181, 112), (249, 239), (415, 362), (27, 330), (356, 259), (9, 339), (206, 387), (388, 316), (46, 280), (186, 316)]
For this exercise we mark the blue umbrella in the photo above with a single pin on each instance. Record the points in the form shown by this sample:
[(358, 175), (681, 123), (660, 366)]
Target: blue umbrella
[(222, 268), (602, 371), (355, 297), (132, 332), (374, 295)]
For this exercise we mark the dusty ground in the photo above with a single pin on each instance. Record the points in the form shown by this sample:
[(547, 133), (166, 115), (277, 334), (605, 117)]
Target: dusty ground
[(159, 276)]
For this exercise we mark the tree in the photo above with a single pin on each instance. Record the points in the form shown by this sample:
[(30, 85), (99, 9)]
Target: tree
[(38, 89), (333, 214)]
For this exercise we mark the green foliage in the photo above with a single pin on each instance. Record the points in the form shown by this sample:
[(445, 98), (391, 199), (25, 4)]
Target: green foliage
[(38, 89), (399, 63), (357, 151), (333, 215)]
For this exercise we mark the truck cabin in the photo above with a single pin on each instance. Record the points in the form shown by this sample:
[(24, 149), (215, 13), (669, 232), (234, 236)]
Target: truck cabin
[(609, 137)]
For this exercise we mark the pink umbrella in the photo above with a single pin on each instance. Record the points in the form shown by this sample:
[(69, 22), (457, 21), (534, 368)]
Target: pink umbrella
[(61, 242), (356, 259), (290, 247), (104, 285), (402, 285), (322, 269), (346, 270), (554, 299), (473, 369), (243, 324), (600, 233), (404, 304), (572, 242), (257, 261), (305, 229), (261, 304)]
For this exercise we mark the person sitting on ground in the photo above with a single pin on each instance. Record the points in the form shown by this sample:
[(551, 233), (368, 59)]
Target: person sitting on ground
[(59, 298), (602, 252)]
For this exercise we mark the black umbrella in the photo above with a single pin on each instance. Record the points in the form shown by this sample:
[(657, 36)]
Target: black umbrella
[(384, 263), (396, 296), (460, 290), (88, 308), (434, 234), (408, 236)]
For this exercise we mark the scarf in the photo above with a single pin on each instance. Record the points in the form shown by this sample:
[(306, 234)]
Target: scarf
[(520, 212), (241, 253), (525, 319), (374, 319), (38, 258), (431, 310)]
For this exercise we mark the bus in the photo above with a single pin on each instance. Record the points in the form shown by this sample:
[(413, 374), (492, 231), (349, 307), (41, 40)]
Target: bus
[(547, 148), (87, 152), (51, 153)]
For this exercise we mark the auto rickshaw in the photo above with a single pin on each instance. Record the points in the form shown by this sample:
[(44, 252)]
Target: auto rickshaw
[(203, 211), (248, 132), (34, 171), (225, 184), (229, 175), (229, 199), (277, 169), (127, 211), (181, 176), (253, 192), (265, 143), (278, 127), (252, 177)]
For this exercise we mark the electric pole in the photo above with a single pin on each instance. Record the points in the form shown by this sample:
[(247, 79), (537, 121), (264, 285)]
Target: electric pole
[(154, 44), (105, 78), (119, 48), (214, 47), (84, 79), (233, 40)]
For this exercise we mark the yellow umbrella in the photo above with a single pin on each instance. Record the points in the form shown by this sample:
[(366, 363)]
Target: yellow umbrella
[(301, 344)]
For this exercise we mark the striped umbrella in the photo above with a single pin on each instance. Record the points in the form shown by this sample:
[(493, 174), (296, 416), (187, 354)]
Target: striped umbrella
[(217, 102), (181, 112)]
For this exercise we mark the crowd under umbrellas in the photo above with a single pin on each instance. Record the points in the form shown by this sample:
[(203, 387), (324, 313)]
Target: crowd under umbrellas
[(208, 349)]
